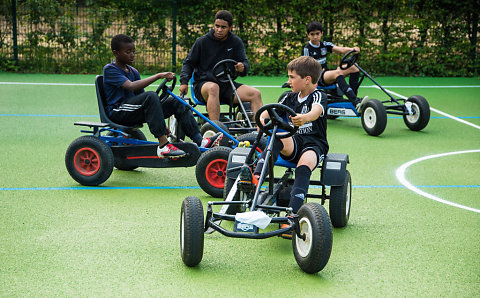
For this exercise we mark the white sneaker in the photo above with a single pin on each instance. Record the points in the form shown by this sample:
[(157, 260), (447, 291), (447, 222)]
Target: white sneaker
[(360, 104), (169, 151)]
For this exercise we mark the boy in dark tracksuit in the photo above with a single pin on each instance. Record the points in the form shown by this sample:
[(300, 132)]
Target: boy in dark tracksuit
[(308, 146), (218, 44), (129, 104)]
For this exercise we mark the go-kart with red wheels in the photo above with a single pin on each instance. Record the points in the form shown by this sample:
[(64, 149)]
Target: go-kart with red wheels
[(258, 212), (373, 113), (90, 159)]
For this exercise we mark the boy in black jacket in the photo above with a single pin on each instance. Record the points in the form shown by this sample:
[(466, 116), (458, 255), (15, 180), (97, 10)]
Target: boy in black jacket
[(218, 44)]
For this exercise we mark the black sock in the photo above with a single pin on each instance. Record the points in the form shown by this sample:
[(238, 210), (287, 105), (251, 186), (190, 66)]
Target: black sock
[(354, 81), (277, 147), (347, 90), (300, 187)]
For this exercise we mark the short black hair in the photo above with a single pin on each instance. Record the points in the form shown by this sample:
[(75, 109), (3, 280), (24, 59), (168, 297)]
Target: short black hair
[(314, 26), (224, 15), (117, 41)]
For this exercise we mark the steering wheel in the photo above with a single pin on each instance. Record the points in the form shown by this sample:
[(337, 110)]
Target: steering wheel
[(275, 112), (348, 60), (224, 67), (163, 87)]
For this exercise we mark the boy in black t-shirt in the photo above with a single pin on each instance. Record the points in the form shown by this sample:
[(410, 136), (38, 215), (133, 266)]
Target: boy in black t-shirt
[(308, 146), (319, 50)]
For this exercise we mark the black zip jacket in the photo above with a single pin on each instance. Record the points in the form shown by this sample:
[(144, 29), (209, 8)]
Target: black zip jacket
[(206, 52)]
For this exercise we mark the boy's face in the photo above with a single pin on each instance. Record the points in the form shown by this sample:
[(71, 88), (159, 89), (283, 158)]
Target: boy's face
[(126, 53), (315, 36), (296, 82), (221, 29)]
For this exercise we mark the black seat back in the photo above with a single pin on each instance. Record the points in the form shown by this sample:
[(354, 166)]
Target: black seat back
[(102, 103)]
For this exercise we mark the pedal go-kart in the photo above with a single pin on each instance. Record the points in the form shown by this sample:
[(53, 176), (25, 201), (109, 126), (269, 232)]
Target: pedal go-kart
[(238, 120), (258, 213), (90, 159), (415, 109)]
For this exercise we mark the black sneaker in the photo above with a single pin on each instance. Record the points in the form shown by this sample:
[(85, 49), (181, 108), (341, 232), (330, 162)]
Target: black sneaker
[(212, 141), (169, 151)]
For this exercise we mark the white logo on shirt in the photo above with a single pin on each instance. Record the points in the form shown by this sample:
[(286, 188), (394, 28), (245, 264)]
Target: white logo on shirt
[(228, 50)]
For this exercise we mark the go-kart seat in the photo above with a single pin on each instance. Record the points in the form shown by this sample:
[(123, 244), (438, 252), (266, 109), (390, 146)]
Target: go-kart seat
[(102, 103)]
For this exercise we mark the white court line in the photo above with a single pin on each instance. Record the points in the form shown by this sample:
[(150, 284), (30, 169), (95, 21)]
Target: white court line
[(400, 173), (437, 111)]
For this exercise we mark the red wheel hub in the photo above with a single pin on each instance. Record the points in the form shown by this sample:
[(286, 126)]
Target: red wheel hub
[(215, 172), (86, 161)]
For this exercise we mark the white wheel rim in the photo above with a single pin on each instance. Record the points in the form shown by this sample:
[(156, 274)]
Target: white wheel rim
[(304, 247), (414, 118), (208, 133), (370, 117), (347, 208), (182, 233)]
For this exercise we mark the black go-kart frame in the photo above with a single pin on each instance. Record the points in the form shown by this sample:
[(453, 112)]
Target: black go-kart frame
[(311, 227)]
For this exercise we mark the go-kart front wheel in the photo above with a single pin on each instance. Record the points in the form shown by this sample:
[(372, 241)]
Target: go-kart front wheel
[(89, 160), (340, 201), (313, 253), (374, 117), (211, 170), (421, 115), (191, 231)]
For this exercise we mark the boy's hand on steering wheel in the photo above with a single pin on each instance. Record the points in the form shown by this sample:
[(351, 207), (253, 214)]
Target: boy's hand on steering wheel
[(183, 89), (167, 75), (239, 67), (299, 120), (356, 49)]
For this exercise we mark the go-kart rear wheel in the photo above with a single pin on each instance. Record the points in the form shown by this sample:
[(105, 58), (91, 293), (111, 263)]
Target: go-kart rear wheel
[(313, 253), (374, 117), (89, 160), (420, 118), (211, 170), (208, 130), (340, 200), (191, 231), (133, 134)]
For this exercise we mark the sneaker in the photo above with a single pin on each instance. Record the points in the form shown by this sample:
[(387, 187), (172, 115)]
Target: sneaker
[(359, 103), (169, 151), (212, 141), (286, 235)]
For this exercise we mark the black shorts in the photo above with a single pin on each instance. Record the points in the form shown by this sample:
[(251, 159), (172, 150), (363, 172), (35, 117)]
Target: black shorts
[(321, 82), (303, 143), (226, 91)]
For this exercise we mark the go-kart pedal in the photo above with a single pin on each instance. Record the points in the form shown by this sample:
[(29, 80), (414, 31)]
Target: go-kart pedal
[(286, 235)]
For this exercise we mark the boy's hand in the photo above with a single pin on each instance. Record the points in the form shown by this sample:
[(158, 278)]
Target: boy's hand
[(356, 49), (183, 89), (239, 67), (167, 75), (299, 120)]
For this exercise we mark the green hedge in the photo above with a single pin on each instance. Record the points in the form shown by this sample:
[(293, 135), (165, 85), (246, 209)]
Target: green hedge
[(414, 37)]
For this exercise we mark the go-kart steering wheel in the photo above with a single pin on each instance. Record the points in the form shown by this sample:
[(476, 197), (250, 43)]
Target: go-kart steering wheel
[(348, 60), (275, 110), (224, 67), (164, 88)]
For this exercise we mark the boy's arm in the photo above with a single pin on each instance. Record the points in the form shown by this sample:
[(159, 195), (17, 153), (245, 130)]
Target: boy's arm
[(344, 50), (301, 119), (140, 84)]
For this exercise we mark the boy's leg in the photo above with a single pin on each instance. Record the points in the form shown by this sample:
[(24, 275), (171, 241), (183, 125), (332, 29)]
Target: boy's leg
[(353, 81), (307, 163), (332, 76), (250, 94), (211, 94)]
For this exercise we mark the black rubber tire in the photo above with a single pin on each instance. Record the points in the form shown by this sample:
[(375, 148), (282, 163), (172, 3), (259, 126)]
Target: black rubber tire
[(89, 160), (191, 231), (213, 163), (420, 119), (208, 130), (374, 117), (313, 254), (340, 202), (133, 134)]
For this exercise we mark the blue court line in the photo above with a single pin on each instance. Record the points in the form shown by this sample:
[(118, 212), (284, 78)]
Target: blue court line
[(197, 187), (93, 116)]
